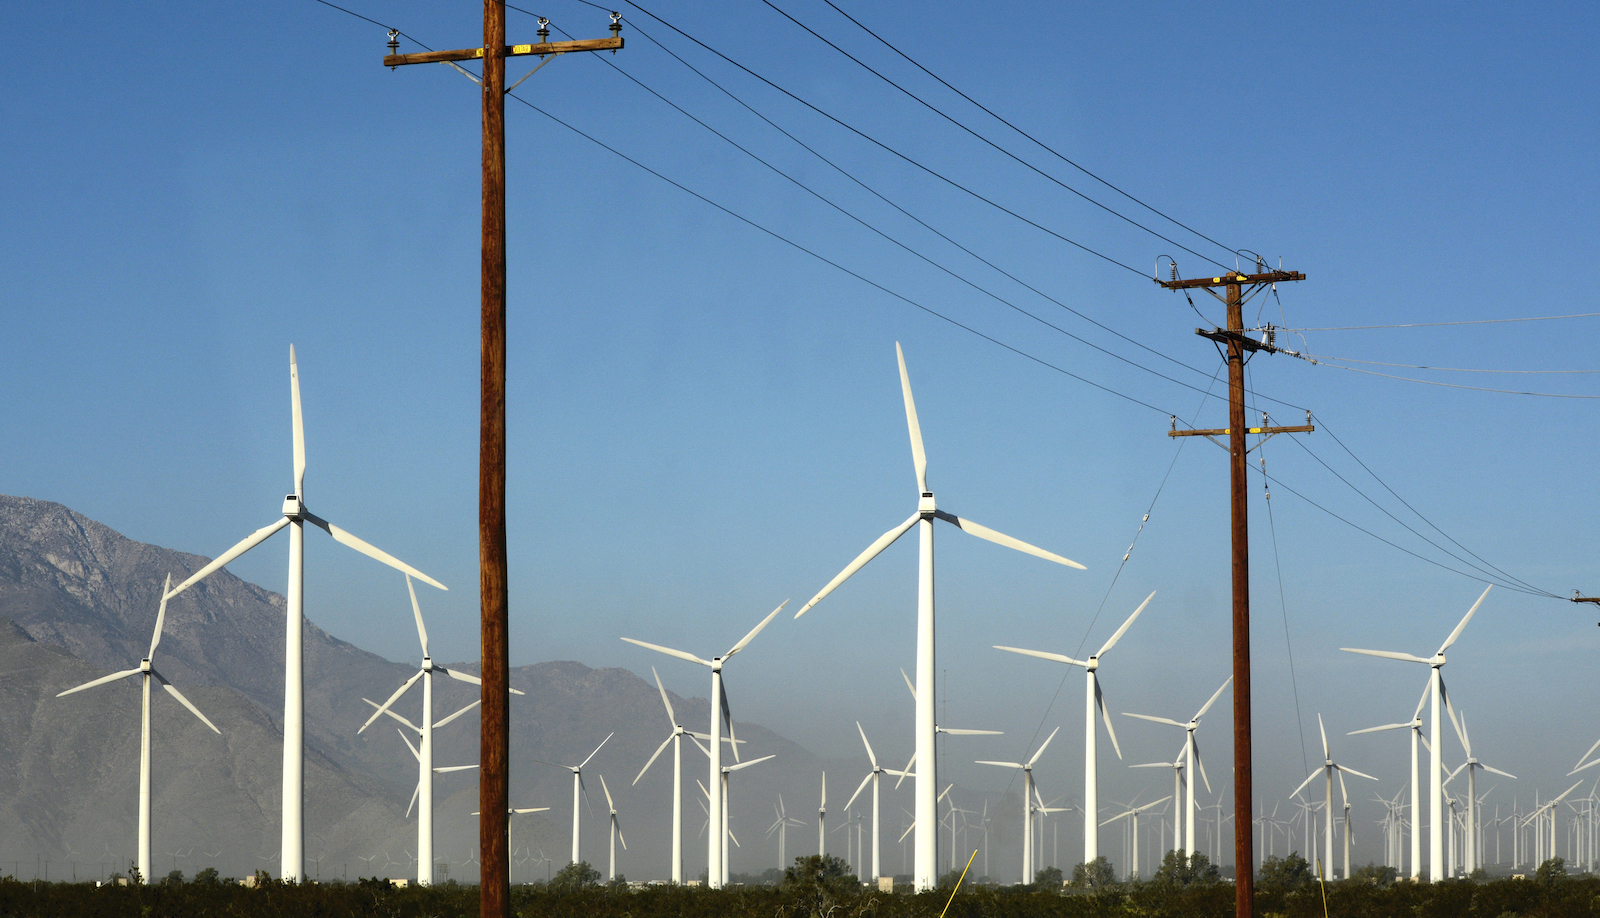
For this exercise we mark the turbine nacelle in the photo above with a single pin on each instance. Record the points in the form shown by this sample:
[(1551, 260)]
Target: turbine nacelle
[(293, 507), (926, 508)]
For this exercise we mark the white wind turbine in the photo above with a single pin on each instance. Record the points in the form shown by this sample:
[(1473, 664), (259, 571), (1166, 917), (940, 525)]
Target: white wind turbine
[(295, 516), (873, 776), (1027, 802), (1132, 815), (1092, 699), (616, 832), (781, 827), (1327, 770), (424, 750), (578, 790), (925, 863), (146, 672), (1435, 782), (1415, 726), (822, 819), (676, 739), (1192, 752), (1472, 765), (1178, 776), (727, 833), (715, 869)]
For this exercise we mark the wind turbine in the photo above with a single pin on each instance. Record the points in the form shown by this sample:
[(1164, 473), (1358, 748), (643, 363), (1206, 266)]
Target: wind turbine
[(676, 739), (1092, 699), (424, 752), (578, 790), (1327, 770), (1415, 726), (822, 819), (146, 672), (873, 776), (1132, 815), (295, 516), (1435, 782), (727, 833), (1178, 777), (616, 831), (925, 863), (1027, 802), (1192, 752), (781, 827), (715, 869), (1472, 765)]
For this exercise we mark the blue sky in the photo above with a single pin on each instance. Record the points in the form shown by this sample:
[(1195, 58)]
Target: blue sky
[(706, 420)]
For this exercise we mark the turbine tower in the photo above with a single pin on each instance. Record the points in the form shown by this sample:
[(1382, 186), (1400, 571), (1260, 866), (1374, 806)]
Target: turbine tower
[(1093, 699), (1435, 783), (676, 739), (715, 869), (1192, 753), (616, 832), (295, 515), (146, 671), (925, 863)]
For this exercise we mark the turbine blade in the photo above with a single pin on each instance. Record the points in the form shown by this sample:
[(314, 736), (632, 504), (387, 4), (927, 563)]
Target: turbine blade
[(377, 554), (727, 716), (1344, 770), (1466, 618), (1043, 745), (392, 714), (659, 749), (870, 757), (299, 427), (1200, 763), (173, 691), (1324, 731), (392, 699), (161, 618), (906, 832), (672, 717), (1125, 626), (744, 641), (422, 632), (872, 551), (248, 542), (1497, 771), (468, 678), (859, 789), (101, 681), (1590, 752), (747, 763), (957, 732), (457, 714), (1059, 658), (1154, 719), (610, 804), (918, 457), (1218, 694), (907, 771), (1444, 696), (445, 769), (988, 762), (413, 802), (415, 752), (1105, 715), (669, 652), (1376, 729), (1000, 538), (1305, 782), (597, 750), (1387, 654), (909, 687)]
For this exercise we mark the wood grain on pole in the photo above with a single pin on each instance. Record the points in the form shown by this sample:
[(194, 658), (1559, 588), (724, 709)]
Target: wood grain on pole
[(494, 740), (1243, 791)]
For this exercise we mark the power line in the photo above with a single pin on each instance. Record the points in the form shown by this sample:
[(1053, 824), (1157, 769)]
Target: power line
[(1577, 315), (892, 151), (1413, 366), (1046, 147), (936, 110), (1432, 382)]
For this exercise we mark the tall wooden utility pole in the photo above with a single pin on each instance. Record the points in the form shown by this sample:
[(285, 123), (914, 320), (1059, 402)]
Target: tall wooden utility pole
[(1237, 344), (495, 737)]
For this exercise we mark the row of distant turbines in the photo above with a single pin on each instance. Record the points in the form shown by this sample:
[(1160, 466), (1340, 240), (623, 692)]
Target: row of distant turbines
[(921, 768)]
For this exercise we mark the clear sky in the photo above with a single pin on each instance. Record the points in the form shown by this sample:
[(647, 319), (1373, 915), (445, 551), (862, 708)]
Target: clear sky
[(706, 420)]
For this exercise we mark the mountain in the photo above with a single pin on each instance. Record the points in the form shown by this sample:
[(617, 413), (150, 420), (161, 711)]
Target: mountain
[(78, 600)]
